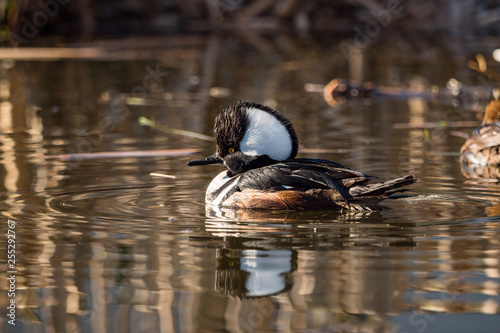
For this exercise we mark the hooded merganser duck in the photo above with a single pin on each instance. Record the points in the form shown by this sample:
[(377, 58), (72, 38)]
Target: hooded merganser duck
[(258, 145), (482, 148)]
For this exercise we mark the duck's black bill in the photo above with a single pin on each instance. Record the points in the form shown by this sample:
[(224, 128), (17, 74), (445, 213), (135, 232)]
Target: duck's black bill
[(212, 159)]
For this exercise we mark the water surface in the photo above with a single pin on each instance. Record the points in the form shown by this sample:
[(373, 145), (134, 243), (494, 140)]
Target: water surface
[(104, 246)]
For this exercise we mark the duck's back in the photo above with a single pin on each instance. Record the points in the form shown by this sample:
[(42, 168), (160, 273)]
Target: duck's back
[(302, 184)]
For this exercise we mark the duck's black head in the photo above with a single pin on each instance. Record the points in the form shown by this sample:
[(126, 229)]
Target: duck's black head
[(249, 135)]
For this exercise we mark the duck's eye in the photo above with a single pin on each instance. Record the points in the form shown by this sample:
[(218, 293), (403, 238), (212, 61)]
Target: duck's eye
[(231, 150)]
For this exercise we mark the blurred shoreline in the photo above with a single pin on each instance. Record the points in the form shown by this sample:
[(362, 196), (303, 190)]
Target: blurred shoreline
[(23, 21)]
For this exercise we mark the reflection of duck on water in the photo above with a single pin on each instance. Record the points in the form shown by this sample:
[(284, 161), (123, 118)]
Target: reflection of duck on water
[(261, 258), (480, 154), (254, 272)]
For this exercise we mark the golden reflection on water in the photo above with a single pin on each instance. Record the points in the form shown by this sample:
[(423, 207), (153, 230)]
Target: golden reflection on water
[(254, 275), (104, 246)]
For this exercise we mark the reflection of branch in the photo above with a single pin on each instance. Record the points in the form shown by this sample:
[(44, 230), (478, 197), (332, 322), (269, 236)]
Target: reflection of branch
[(370, 5), (254, 9), (488, 16)]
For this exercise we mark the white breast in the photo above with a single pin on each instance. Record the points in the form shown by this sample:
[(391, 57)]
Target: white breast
[(215, 184), (266, 135)]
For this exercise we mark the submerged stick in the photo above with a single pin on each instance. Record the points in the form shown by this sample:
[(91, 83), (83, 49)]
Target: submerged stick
[(147, 122), (126, 154), (436, 124)]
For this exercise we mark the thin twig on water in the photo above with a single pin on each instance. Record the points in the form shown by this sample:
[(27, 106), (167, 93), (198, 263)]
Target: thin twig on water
[(155, 174)]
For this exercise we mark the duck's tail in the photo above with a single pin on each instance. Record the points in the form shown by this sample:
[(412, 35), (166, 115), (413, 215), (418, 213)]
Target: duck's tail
[(368, 197), (385, 189)]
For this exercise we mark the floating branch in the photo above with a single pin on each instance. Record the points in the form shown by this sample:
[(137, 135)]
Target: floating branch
[(460, 134), (126, 154), (338, 91), (155, 174)]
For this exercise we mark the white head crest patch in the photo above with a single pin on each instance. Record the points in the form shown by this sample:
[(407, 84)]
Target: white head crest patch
[(266, 135)]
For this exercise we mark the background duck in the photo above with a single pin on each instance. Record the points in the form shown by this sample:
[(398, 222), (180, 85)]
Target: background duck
[(482, 148)]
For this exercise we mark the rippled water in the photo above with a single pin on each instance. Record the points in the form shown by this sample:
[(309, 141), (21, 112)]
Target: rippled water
[(102, 245)]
